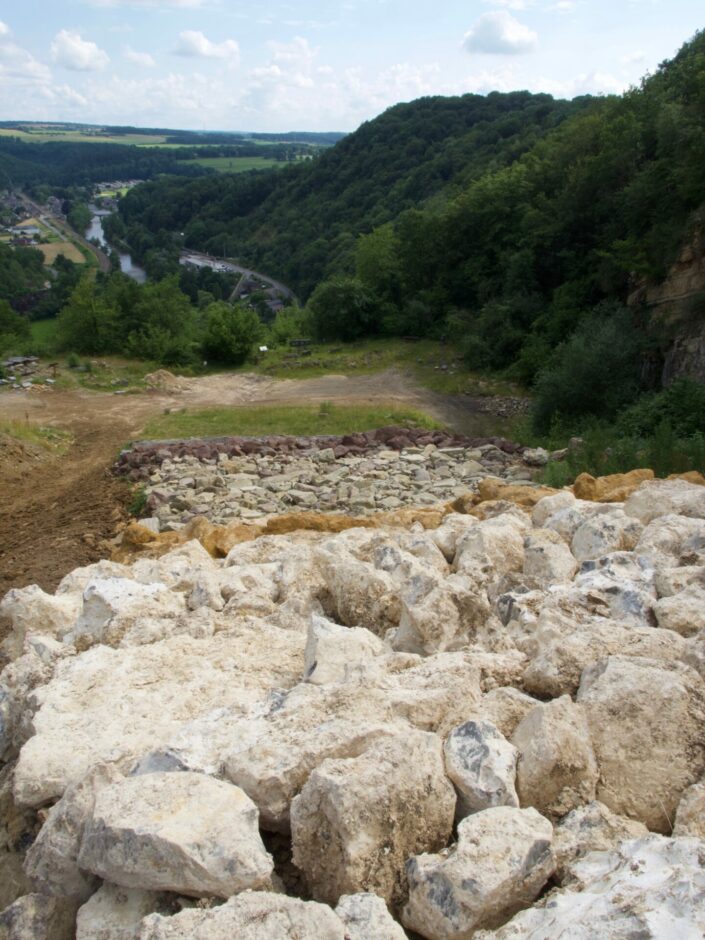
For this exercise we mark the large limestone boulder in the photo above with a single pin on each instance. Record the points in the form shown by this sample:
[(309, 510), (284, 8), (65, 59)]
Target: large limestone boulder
[(115, 913), (450, 532), (39, 917), (563, 649), (358, 820), (684, 612), (549, 505), (499, 865), (690, 817), (108, 704), (180, 832), (18, 680), (673, 540), (336, 654), (605, 533), (253, 915), (366, 917), (482, 765), (52, 860), (556, 771), (547, 559), (646, 723), (505, 707), (32, 610), (663, 497), (439, 614), (111, 607), (651, 887), (590, 828), (492, 548)]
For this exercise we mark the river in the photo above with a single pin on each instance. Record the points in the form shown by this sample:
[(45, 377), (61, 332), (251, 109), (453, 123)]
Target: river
[(127, 265)]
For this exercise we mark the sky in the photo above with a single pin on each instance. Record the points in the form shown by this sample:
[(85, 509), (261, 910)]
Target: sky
[(266, 65)]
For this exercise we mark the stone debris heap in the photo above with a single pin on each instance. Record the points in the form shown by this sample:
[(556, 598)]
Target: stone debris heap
[(247, 478), (493, 728)]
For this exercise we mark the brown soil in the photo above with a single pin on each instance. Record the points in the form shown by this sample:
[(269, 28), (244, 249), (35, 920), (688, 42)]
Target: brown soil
[(56, 511)]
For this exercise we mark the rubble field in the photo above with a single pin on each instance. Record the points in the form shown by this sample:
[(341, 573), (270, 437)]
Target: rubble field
[(479, 719)]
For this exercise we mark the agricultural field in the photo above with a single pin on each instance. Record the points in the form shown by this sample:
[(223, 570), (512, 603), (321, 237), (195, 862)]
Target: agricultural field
[(236, 164), (52, 251), (41, 134)]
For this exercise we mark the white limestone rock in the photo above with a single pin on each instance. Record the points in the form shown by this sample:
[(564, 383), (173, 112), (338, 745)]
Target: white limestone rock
[(652, 887), (684, 613), (454, 526), (366, 917), (549, 505), (500, 863), (115, 913), (646, 719), (492, 548), (32, 610), (39, 917), (590, 828), (357, 820), (52, 860), (672, 540), (180, 832), (76, 581), (18, 680), (111, 606), (482, 766), (670, 581), (109, 704), (605, 533), (335, 654), (547, 559), (690, 816), (505, 707), (439, 614), (252, 915), (564, 649), (657, 498), (556, 771)]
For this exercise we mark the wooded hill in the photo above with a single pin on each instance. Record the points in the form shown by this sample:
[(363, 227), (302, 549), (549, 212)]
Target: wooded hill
[(516, 223)]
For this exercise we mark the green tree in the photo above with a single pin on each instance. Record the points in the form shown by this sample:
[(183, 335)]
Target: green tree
[(343, 308), (88, 322), (231, 332), (14, 328)]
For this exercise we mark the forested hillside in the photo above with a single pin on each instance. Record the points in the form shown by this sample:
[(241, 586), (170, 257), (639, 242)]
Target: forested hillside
[(302, 223), (514, 223)]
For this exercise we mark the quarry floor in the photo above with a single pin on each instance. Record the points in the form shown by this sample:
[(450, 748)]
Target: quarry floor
[(55, 511)]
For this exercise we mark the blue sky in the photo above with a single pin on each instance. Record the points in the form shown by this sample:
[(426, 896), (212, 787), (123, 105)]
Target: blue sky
[(307, 65)]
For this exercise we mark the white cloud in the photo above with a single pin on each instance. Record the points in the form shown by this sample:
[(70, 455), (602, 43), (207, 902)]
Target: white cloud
[(150, 4), (139, 58), (500, 34), (563, 6), (633, 58), (79, 55), (194, 44), (511, 4), (4, 29)]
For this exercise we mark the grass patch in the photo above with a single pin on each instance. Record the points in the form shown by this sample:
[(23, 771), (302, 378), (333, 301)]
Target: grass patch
[(432, 364), (235, 164), (37, 435), (52, 251), (44, 333), (295, 420)]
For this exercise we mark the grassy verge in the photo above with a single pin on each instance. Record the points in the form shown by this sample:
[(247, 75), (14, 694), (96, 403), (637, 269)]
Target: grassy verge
[(433, 364), (37, 435), (297, 420)]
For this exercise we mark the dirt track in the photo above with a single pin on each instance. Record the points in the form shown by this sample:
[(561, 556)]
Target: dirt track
[(54, 512)]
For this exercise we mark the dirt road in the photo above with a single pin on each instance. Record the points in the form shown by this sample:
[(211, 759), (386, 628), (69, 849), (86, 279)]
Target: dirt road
[(55, 512)]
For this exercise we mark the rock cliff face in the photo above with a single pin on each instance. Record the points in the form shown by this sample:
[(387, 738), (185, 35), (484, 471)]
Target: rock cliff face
[(491, 725), (678, 308)]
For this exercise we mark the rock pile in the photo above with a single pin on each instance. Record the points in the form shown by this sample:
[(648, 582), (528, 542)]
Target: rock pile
[(239, 478), (491, 727)]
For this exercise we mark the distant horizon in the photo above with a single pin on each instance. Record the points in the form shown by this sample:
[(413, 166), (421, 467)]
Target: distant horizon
[(154, 127), (198, 64)]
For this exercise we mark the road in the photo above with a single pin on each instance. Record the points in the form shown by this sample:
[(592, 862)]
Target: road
[(201, 260)]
